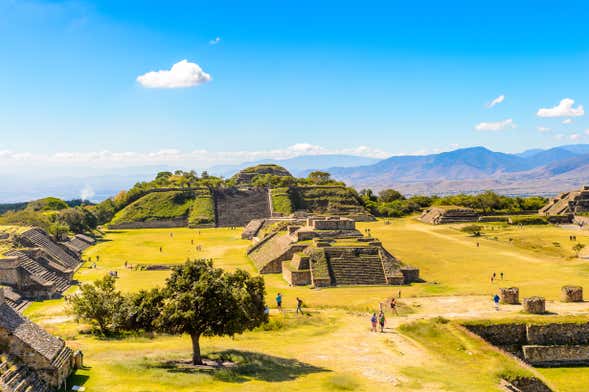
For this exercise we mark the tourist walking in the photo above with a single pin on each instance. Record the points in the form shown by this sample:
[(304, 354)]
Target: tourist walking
[(279, 301), (496, 301), (373, 321), (299, 306), (381, 321), (394, 306), (501, 274)]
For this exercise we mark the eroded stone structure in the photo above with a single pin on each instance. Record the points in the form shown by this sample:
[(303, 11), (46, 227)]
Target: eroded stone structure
[(509, 295), (31, 359), (328, 251), (554, 344), (572, 294), (36, 267), (535, 305), (442, 215), (568, 203)]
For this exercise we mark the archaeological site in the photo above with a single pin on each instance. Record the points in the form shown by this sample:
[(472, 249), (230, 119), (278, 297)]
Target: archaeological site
[(324, 251)]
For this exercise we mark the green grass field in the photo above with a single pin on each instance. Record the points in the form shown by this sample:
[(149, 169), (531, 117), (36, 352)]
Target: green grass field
[(331, 349)]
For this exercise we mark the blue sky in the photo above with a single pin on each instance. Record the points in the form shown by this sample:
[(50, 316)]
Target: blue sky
[(372, 78)]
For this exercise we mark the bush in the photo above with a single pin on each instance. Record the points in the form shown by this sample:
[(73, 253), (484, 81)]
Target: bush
[(475, 230)]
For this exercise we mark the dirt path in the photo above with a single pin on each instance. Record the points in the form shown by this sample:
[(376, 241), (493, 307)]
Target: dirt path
[(381, 358)]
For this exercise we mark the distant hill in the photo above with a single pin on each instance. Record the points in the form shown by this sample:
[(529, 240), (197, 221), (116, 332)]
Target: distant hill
[(471, 170), (298, 166)]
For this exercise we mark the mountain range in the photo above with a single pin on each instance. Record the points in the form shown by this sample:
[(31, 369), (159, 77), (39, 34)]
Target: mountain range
[(470, 170), (475, 169)]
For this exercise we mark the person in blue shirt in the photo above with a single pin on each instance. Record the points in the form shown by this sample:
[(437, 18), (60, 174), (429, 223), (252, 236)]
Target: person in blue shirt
[(496, 300), (279, 301)]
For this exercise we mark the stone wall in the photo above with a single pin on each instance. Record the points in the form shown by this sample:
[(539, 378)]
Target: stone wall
[(158, 224), (556, 355), (294, 277), (332, 224), (507, 334), (410, 274), (558, 334)]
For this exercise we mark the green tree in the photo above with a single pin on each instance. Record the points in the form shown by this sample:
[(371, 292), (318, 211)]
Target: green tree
[(58, 230), (100, 304), (319, 177), (204, 301), (78, 219), (144, 309), (389, 195)]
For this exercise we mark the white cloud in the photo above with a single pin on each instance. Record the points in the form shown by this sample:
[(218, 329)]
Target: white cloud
[(215, 41), (182, 74), (454, 146), (496, 101), (567, 121), (563, 109), (587, 132), (543, 129), (559, 136), (495, 126), (171, 157), (575, 136)]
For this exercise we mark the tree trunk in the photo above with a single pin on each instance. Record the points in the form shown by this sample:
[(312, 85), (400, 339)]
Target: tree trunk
[(196, 359)]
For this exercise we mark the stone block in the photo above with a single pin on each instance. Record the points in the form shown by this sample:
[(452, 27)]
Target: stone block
[(572, 294), (535, 305), (509, 295)]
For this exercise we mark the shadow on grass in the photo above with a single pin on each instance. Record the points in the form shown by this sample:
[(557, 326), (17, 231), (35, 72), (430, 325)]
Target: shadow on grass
[(78, 379), (247, 366)]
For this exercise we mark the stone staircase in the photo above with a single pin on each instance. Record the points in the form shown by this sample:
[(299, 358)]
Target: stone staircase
[(64, 356), (15, 377), (15, 300), (39, 238), (236, 207), (357, 270), (35, 269)]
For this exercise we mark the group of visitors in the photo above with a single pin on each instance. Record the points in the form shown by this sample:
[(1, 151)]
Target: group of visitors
[(379, 320), (572, 238), (494, 276), (299, 304)]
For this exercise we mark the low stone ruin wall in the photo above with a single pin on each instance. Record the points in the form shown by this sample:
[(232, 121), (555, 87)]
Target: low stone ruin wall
[(159, 224), (296, 278), (410, 274), (556, 344), (554, 356), (558, 334)]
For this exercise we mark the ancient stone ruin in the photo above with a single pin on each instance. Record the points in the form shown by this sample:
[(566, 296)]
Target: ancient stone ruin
[(327, 251), (509, 295), (535, 305), (236, 205), (543, 345), (441, 215), (30, 358), (37, 267), (568, 203), (572, 294)]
